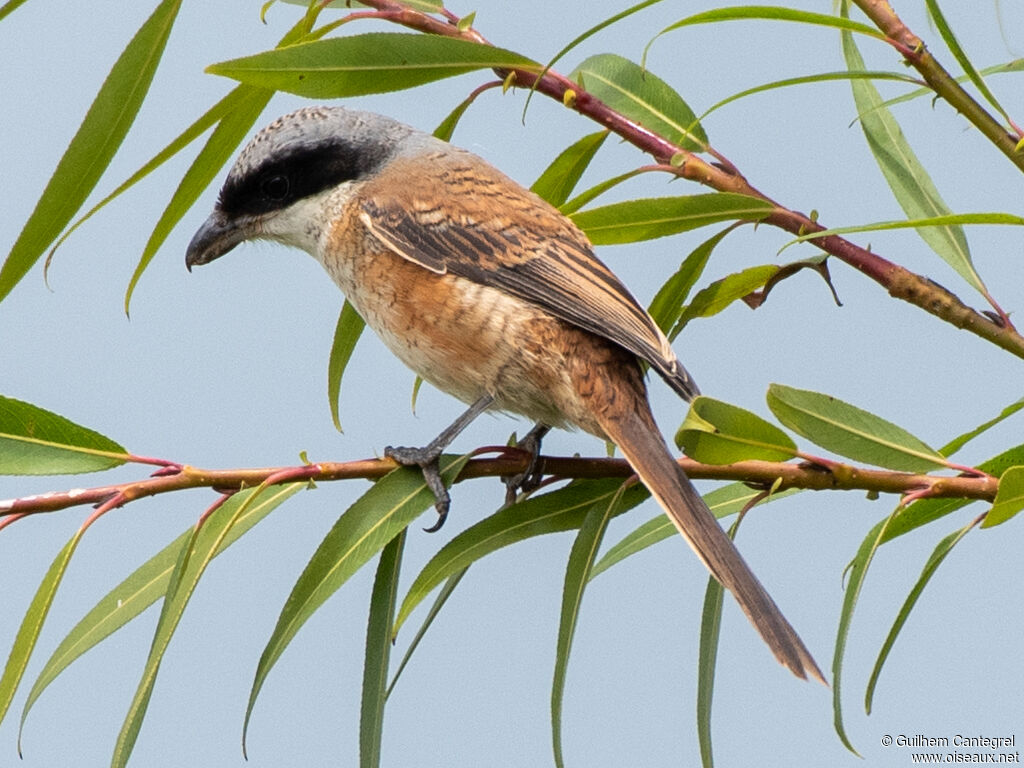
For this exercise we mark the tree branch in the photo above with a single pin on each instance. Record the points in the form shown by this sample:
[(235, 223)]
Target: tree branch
[(779, 476), (898, 281), (940, 81)]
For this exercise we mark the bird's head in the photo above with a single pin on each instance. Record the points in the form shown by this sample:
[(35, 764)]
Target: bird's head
[(280, 183)]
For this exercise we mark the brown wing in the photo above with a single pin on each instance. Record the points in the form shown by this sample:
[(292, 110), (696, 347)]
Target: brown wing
[(470, 220)]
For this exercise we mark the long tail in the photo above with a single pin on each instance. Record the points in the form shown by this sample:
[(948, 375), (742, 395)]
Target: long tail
[(643, 446)]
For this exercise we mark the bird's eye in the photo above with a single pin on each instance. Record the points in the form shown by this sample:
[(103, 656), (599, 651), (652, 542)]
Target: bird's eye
[(275, 187)]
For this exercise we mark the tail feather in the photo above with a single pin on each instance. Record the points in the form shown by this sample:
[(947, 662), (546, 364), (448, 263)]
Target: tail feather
[(644, 448)]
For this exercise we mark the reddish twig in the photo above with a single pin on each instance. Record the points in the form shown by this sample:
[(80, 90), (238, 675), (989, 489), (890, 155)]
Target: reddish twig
[(759, 474), (900, 282)]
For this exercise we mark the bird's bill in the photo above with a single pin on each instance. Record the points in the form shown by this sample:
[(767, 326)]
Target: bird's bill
[(217, 236)]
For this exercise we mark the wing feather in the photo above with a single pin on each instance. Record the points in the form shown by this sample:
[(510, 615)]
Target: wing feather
[(494, 232)]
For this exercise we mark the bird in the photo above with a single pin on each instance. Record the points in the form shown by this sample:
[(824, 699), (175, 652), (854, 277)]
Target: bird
[(484, 290)]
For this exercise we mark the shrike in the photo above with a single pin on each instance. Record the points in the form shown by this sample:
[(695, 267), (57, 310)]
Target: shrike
[(484, 290)]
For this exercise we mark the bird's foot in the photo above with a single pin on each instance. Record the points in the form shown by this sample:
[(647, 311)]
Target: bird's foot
[(426, 459), (530, 479)]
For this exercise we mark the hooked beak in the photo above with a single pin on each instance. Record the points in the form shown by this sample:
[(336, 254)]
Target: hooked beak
[(217, 236)]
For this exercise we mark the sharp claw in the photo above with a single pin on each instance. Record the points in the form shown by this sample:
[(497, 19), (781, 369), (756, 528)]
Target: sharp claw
[(427, 460), (530, 479)]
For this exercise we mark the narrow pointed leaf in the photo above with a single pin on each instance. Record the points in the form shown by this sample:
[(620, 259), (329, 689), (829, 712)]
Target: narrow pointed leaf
[(907, 178), (561, 177), (1009, 499), (202, 124), (939, 222), (667, 304), (961, 56), (643, 97), (577, 575), (248, 104), (856, 572), (851, 432), (146, 584), (361, 532), (959, 442), (98, 137), (707, 659), (376, 62), (821, 77), (442, 597), (32, 624), (942, 549), (1016, 65), (587, 34), (346, 334), (727, 500), (201, 548), (9, 7), (585, 197), (378, 651), (34, 441), (554, 512), (773, 13), (720, 294), (636, 220), (720, 433), (925, 511)]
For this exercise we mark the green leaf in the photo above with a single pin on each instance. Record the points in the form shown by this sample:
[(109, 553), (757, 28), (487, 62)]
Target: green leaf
[(667, 304), (442, 597), (714, 298), (707, 659), (961, 56), (34, 441), (236, 99), (561, 177), (770, 13), (910, 183), (720, 433), (942, 549), (376, 62), (942, 222), (822, 77), (94, 144), (361, 532), (586, 35), (560, 510), (346, 335), (727, 500), (924, 511), (446, 128), (856, 572), (1016, 65), (577, 575), (9, 7), (32, 624), (1009, 499), (636, 220), (202, 546), (147, 584), (642, 97), (851, 432), (378, 651), (232, 129), (597, 190), (210, 118), (956, 444)]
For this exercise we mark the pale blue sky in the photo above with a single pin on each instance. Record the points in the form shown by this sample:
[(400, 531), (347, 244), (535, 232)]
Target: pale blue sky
[(227, 367)]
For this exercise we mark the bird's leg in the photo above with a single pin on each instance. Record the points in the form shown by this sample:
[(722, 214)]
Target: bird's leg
[(426, 458), (529, 479)]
